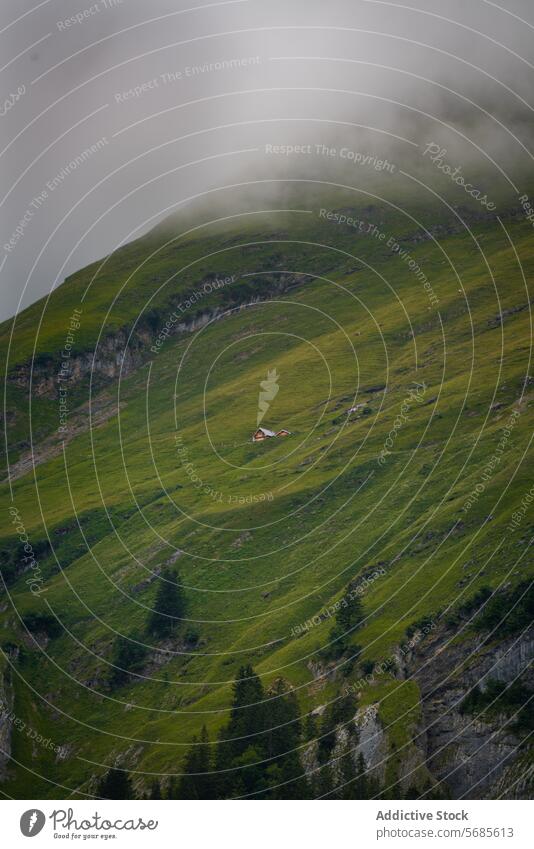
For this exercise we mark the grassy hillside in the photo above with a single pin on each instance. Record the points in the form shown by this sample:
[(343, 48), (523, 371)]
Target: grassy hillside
[(264, 536)]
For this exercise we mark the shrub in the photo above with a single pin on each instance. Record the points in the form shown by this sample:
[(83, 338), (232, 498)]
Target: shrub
[(42, 623)]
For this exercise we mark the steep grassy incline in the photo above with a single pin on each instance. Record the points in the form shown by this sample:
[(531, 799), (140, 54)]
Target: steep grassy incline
[(409, 495)]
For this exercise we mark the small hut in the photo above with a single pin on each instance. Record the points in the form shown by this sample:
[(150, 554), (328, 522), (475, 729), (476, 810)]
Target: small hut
[(262, 433), (284, 432)]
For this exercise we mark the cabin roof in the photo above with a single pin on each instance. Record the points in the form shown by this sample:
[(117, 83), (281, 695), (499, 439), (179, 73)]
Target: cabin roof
[(265, 431)]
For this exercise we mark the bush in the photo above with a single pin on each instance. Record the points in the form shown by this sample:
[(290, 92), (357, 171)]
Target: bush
[(367, 667), (43, 623), (507, 613), (499, 697), (471, 604), (422, 624)]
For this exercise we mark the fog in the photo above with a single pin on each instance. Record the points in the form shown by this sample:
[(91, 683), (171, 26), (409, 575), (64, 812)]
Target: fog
[(115, 114)]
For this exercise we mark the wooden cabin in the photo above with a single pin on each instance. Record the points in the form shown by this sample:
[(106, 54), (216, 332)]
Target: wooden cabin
[(262, 433)]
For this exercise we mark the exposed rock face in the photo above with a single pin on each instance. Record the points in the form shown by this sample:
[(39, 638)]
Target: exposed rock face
[(119, 353), (346, 740), (322, 672), (474, 757), (373, 744), (6, 723), (116, 354), (413, 767)]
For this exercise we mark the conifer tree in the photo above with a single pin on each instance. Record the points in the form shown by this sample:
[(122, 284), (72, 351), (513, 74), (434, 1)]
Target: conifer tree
[(339, 712), (251, 777), (348, 619), (248, 712), (310, 727), (258, 750), (155, 790), (323, 782), (245, 731), (127, 657), (349, 615), (285, 772), (365, 787), (169, 606), (348, 788), (295, 784), (284, 726), (115, 784), (196, 781)]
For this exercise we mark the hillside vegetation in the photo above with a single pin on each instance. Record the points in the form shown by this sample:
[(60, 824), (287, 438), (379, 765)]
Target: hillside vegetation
[(150, 477)]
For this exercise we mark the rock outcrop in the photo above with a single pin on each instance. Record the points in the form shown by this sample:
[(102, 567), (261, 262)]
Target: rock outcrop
[(6, 722), (473, 755)]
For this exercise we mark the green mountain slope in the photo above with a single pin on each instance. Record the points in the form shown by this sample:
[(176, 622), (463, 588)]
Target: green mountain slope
[(144, 460)]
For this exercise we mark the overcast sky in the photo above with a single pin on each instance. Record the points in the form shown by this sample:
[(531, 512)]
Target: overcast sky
[(115, 113)]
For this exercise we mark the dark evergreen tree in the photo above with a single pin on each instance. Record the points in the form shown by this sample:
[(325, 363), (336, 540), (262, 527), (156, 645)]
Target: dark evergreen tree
[(283, 724), (127, 657), (295, 784), (350, 614), (367, 667), (115, 784), (155, 790), (285, 773), (342, 709), (245, 730), (225, 775), (348, 619), (257, 752), (339, 712), (365, 787), (197, 781), (412, 793), (348, 786), (248, 712), (311, 729), (169, 606), (252, 772), (323, 782)]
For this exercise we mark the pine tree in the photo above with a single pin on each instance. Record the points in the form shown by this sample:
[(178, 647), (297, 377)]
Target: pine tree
[(284, 725), (282, 741), (244, 731), (339, 712), (323, 782), (196, 781), (257, 751), (252, 772), (295, 783), (348, 619), (155, 790), (360, 785), (350, 615), (248, 713), (127, 657), (115, 784), (348, 788), (310, 727), (365, 787), (169, 606)]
